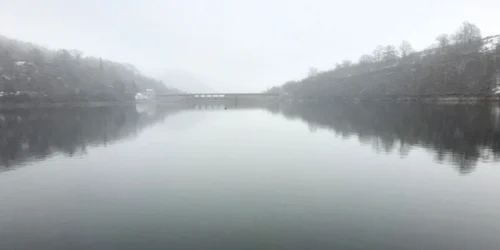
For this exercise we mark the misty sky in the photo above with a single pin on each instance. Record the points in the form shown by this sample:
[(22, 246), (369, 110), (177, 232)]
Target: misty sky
[(238, 45)]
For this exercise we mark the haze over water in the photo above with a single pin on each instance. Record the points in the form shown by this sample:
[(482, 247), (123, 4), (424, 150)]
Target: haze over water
[(296, 176)]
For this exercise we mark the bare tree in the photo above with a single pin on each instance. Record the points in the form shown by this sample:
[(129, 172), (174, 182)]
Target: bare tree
[(366, 59), (346, 63), (378, 53), (390, 54), (443, 40), (467, 33), (312, 72), (405, 48)]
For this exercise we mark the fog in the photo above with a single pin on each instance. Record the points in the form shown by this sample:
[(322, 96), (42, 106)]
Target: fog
[(238, 46)]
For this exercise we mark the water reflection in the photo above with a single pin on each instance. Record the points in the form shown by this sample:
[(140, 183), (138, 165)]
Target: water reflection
[(34, 134), (230, 179), (457, 134)]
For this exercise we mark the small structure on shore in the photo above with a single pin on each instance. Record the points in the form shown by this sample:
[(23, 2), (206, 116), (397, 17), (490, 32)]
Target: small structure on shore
[(148, 96)]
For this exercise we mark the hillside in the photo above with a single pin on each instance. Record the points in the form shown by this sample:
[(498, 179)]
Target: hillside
[(31, 73), (463, 63)]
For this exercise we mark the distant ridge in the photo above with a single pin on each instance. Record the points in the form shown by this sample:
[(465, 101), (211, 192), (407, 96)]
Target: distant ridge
[(184, 81)]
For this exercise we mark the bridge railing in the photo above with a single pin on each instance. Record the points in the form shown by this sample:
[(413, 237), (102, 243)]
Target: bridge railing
[(217, 95)]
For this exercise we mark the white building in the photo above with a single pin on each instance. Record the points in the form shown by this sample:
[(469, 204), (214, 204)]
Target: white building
[(148, 96)]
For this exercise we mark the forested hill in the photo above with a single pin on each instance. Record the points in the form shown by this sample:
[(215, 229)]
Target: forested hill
[(31, 73), (463, 63)]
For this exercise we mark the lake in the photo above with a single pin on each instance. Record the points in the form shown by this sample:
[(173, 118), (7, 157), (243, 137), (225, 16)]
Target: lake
[(269, 176)]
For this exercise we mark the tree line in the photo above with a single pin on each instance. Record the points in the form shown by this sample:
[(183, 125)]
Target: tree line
[(31, 73), (461, 63)]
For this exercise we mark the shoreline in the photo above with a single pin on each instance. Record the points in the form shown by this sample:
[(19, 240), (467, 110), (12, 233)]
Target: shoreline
[(408, 99), (7, 106), (450, 100)]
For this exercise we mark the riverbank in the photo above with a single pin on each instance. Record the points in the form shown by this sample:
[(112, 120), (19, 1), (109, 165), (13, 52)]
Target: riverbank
[(449, 99), (436, 99), (51, 105), (76, 104)]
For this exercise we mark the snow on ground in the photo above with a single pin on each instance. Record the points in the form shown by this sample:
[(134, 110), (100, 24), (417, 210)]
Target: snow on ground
[(489, 44), (141, 97), (20, 63)]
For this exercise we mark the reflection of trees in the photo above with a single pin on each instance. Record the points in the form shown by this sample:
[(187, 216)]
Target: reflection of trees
[(29, 134), (33, 134), (460, 134)]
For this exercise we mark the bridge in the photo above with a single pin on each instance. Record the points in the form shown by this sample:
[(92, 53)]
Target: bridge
[(234, 99), (218, 95)]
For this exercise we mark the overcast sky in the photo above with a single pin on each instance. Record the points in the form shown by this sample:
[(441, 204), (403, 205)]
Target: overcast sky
[(238, 45)]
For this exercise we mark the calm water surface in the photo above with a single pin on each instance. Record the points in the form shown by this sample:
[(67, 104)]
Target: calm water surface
[(276, 177)]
